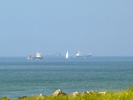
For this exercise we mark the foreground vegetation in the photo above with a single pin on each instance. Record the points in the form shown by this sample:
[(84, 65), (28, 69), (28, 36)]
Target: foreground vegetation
[(59, 95)]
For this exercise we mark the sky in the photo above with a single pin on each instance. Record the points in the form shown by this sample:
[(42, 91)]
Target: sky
[(101, 27)]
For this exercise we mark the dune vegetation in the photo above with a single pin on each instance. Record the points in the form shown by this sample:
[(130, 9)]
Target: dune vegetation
[(59, 95)]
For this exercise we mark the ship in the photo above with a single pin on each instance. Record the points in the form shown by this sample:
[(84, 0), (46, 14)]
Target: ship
[(88, 55), (38, 56), (79, 54)]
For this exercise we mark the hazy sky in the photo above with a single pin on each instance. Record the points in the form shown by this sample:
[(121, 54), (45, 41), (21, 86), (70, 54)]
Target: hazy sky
[(101, 27)]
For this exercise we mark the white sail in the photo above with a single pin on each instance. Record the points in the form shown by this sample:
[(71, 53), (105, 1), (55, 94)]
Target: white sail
[(67, 54)]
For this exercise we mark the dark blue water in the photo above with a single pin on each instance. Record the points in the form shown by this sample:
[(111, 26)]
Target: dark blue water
[(22, 77)]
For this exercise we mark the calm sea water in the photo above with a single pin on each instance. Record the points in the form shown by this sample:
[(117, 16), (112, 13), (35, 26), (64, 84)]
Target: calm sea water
[(22, 77)]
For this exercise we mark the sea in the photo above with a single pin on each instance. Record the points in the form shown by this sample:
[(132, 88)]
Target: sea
[(22, 77)]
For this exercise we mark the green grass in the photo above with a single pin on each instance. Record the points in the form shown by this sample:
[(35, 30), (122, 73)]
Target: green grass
[(119, 95)]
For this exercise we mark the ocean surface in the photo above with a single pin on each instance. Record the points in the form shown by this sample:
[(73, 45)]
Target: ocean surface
[(22, 77)]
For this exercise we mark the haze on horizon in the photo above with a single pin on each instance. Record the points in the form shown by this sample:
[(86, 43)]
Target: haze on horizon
[(103, 28)]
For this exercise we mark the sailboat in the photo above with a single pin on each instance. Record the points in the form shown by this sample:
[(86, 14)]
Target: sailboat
[(67, 55)]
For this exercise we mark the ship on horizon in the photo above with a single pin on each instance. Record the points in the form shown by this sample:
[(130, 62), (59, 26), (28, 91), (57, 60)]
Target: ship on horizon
[(79, 54), (38, 56)]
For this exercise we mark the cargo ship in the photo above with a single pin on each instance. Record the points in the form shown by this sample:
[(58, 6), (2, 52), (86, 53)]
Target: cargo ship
[(79, 54), (38, 56)]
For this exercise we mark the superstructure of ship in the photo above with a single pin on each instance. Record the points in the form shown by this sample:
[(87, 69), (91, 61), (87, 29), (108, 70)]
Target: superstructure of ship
[(38, 56)]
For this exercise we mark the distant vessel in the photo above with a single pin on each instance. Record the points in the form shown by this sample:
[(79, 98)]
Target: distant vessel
[(79, 55), (38, 56), (88, 55), (67, 55)]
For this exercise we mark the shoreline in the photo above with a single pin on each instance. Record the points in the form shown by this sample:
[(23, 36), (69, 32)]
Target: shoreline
[(86, 95)]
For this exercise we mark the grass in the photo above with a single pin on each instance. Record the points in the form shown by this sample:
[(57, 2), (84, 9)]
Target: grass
[(119, 95)]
